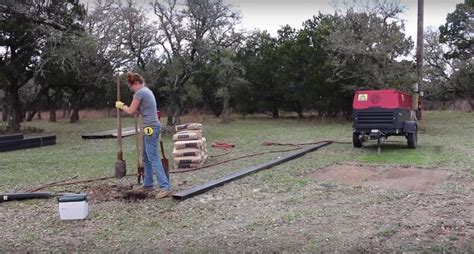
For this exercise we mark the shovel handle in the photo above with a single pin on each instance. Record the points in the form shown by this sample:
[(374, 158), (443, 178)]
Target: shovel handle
[(162, 151), (119, 121), (139, 140)]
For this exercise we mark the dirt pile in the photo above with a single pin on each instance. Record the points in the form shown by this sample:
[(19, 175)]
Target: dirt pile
[(105, 193)]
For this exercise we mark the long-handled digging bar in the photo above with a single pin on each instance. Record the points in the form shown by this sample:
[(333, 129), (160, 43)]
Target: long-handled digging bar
[(139, 147), (120, 166), (165, 161)]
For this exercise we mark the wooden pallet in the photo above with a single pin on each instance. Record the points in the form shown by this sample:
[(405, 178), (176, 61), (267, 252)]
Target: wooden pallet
[(128, 131)]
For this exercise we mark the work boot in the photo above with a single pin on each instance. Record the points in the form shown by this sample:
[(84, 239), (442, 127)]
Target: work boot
[(163, 193)]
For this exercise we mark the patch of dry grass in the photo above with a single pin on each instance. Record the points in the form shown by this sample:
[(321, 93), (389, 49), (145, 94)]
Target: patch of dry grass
[(278, 209)]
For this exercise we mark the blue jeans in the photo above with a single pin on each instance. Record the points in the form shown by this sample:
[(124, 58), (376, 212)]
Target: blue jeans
[(152, 161)]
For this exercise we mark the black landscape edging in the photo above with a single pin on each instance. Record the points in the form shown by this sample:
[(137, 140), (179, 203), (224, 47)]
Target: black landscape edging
[(13, 145), (10, 137)]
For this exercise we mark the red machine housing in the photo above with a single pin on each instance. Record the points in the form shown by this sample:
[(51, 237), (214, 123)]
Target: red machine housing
[(388, 99), (378, 114)]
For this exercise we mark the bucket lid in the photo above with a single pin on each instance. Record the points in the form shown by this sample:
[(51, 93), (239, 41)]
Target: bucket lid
[(73, 198)]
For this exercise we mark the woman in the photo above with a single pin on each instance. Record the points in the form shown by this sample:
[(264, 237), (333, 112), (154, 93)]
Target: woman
[(144, 103)]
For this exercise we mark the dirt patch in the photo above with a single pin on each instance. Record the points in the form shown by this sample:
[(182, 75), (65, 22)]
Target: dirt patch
[(105, 193), (399, 178)]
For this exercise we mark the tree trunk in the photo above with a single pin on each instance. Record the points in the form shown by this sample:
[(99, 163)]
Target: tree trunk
[(470, 100), (39, 115), (275, 113), (14, 109), (75, 115), (454, 100), (4, 112), (77, 96), (49, 101), (444, 100), (225, 110), (174, 110), (169, 119), (177, 117), (299, 109), (23, 116), (171, 112), (31, 114), (52, 114)]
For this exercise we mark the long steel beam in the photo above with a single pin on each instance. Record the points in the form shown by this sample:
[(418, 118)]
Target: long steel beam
[(182, 195), (19, 144), (128, 131), (22, 196), (10, 137)]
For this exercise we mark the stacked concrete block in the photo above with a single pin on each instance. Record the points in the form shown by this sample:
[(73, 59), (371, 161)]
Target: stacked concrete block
[(190, 150)]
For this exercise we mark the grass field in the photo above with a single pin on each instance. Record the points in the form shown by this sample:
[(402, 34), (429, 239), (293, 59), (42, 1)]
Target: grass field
[(279, 209)]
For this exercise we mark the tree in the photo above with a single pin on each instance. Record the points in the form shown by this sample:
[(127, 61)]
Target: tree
[(463, 80), (292, 57), (263, 69), (457, 32), (75, 67), (457, 35), (125, 34), (437, 68), (314, 91), (228, 77), (191, 29), (23, 28), (364, 46)]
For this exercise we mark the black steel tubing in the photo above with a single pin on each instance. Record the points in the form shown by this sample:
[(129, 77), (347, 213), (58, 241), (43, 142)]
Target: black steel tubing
[(27, 145), (27, 141), (11, 137), (182, 195), (22, 196)]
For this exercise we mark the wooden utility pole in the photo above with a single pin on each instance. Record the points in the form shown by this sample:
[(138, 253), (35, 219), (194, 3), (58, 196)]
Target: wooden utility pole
[(419, 44), (419, 59)]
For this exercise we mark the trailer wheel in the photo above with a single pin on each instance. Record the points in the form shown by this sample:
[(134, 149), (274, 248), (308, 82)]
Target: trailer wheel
[(412, 139), (355, 140)]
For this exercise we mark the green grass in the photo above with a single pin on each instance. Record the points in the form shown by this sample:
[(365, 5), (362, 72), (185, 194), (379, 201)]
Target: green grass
[(446, 139), (279, 202)]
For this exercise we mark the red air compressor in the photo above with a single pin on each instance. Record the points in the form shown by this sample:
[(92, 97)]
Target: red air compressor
[(378, 114)]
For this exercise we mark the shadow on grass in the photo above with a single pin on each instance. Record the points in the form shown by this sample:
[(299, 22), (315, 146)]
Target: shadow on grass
[(388, 146)]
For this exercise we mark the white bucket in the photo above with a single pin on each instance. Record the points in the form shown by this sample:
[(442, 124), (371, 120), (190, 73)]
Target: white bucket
[(73, 207)]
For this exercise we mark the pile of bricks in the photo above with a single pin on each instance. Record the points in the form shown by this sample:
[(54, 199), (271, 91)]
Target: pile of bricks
[(190, 149)]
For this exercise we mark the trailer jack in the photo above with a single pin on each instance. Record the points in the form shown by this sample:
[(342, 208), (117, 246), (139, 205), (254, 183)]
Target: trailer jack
[(380, 137), (373, 135)]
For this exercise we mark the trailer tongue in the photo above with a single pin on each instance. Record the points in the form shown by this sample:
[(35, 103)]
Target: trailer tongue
[(378, 114)]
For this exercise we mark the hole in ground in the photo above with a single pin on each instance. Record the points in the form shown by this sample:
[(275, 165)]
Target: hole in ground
[(104, 193)]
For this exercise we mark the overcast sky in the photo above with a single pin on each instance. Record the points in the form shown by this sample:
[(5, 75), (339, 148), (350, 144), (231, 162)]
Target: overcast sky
[(271, 14)]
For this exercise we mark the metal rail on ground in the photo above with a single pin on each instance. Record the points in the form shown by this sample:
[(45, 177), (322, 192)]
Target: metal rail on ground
[(127, 131)]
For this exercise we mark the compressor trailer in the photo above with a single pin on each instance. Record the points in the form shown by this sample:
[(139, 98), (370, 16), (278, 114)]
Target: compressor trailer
[(378, 114)]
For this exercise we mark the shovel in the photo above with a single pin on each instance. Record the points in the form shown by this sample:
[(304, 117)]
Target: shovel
[(164, 161), (120, 166), (139, 147)]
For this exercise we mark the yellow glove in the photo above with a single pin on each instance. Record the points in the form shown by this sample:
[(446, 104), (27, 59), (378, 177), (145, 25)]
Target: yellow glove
[(119, 105)]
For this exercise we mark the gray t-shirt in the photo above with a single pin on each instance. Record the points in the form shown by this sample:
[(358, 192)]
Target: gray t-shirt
[(147, 107)]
